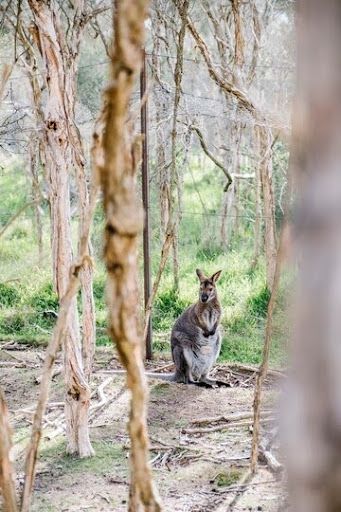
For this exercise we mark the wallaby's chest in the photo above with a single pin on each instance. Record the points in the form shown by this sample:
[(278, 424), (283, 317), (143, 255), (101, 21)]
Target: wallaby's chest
[(205, 353), (209, 318)]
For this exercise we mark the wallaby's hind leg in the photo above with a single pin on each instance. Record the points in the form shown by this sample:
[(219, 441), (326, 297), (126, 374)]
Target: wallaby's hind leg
[(181, 367)]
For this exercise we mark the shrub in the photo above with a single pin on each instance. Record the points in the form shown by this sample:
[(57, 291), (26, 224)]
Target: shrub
[(257, 304), (12, 324), (99, 292), (168, 306), (9, 296), (209, 253), (18, 233), (45, 298)]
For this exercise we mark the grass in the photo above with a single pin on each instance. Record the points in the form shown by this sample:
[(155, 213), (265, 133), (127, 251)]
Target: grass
[(27, 298), (227, 478), (108, 456)]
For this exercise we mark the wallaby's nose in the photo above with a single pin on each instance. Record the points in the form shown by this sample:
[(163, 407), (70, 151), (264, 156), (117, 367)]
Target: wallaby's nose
[(204, 297)]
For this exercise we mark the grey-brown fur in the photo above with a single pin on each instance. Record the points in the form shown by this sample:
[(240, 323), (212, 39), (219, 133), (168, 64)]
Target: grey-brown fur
[(196, 336)]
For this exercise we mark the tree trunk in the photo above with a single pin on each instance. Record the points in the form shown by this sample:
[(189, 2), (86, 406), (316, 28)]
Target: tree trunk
[(60, 67), (124, 222), (7, 481), (175, 175), (265, 171), (86, 274), (36, 195), (161, 106), (258, 214), (311, 422)]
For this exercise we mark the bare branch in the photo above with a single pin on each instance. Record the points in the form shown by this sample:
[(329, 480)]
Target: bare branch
[(211, 156)]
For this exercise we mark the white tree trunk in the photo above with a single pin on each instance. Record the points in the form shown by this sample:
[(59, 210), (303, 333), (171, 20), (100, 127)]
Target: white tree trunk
[(59, 154)]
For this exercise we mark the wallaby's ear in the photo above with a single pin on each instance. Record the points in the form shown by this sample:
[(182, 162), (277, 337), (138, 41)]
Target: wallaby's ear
[(200, 274), (216, 276)]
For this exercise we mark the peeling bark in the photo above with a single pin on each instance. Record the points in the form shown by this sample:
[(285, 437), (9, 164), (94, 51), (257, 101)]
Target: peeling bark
[(265, 172), (7, 480), (61, 145), (36, 195), (116, 167), (161, 105), (175, 177)]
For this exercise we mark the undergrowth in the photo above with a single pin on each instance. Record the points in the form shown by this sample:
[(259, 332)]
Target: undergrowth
[(29, 305)]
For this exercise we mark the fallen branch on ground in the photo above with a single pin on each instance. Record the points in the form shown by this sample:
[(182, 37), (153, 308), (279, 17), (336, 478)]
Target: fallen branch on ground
[(250, 368), (227, 419), (223, 426)]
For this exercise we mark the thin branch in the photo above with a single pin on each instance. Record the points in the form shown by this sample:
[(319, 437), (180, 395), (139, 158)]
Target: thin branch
[(223, 83), (167, 244), (263, 370), (16, 215), (211, 156)]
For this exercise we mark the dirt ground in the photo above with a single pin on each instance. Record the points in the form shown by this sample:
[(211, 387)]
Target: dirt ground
[(194, 471)]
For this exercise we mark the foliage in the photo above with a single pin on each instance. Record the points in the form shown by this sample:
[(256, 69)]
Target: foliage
[(27, 291), (9, 295), (168, 306), (45, 298), (257, 304), (13, 192), (225, 479)]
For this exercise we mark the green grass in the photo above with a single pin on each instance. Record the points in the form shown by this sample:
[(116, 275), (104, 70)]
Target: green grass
[(227, 478), (27, 298), (108, 456)]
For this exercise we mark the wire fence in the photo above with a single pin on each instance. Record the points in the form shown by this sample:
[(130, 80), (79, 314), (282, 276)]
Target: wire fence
[(201, 226)]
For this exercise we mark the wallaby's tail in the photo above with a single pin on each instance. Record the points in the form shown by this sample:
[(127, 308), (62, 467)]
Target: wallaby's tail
[(170, 377)]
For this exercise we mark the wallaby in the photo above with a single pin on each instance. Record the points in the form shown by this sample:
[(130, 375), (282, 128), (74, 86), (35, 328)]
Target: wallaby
[(196, 337)]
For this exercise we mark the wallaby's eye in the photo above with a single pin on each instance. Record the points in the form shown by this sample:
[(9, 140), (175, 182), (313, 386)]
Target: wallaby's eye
[(210, 288)]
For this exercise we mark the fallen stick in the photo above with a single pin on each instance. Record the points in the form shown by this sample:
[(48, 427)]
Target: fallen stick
[(7, 344), (13, 345), (161, 368), (30, 410), (16, 364), (227, 419), (102, 397), (223, 426), (250, 368)]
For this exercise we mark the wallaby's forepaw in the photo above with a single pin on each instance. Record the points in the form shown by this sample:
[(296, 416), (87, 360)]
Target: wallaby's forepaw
[(207, 334)]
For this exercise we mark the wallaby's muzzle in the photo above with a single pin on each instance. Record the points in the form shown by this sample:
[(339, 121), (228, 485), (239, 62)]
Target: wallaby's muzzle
[(204, 297)]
